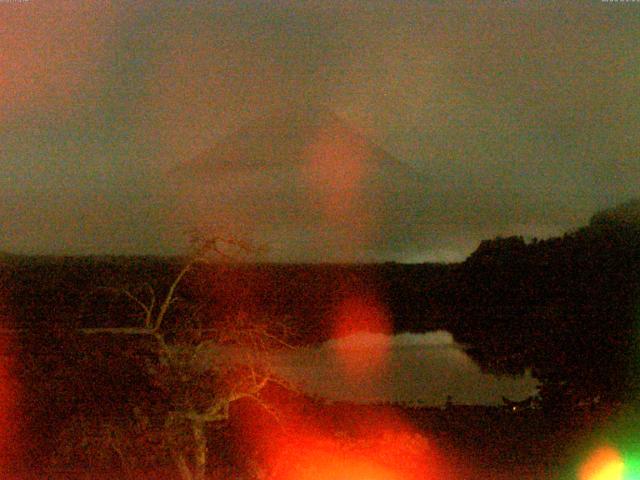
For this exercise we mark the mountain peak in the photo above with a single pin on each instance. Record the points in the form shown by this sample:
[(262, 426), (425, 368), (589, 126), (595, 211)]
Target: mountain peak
[(283, 137), (303, 176)]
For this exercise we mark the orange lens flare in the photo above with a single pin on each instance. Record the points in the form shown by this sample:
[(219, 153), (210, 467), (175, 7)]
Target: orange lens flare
[(379, 454), (312, 441), (605, 463), (356, 314), (327, 466)]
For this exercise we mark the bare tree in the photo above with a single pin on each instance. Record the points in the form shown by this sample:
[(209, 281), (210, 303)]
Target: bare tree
[(202, 366)]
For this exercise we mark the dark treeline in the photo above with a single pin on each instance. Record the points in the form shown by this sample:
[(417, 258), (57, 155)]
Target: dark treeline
[(566, 307), (62, 293)]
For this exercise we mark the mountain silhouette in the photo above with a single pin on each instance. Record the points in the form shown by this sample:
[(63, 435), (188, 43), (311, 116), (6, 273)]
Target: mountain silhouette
[(309, 185), (627, 213)]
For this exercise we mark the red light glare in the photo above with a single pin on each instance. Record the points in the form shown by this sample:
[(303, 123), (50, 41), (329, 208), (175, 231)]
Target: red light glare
[(8, 402), (358, 314), (335, 170), (378, 456), (312, 442)]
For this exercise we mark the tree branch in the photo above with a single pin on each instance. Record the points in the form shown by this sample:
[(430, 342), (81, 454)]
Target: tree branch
[(169, 297)]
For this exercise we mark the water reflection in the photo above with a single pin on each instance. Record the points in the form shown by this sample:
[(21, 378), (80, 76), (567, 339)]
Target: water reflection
[(423, 368)]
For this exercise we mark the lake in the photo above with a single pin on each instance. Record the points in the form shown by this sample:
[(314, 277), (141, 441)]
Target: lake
[(424, 369)]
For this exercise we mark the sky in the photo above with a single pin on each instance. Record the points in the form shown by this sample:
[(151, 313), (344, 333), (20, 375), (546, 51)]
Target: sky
[(505, 118)]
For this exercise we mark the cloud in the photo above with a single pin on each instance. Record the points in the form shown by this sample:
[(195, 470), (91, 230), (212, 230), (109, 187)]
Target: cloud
[(51, 57), (514, 117)]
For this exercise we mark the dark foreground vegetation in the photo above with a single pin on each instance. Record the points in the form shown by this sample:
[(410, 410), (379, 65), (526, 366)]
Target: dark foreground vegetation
[(566, 307)]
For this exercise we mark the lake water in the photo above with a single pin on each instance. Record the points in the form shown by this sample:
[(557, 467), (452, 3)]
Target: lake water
[(412, 368)]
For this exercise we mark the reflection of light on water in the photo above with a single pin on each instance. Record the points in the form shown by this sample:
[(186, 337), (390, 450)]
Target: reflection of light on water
[(361, 314)]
